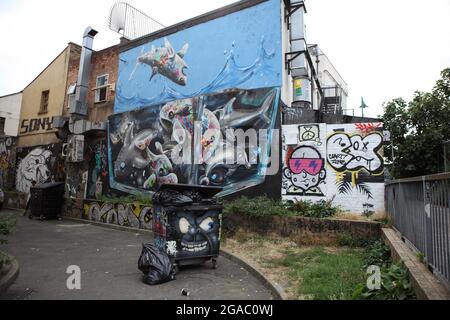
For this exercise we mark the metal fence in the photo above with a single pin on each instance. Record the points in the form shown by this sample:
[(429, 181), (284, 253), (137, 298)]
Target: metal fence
[(419, 209)]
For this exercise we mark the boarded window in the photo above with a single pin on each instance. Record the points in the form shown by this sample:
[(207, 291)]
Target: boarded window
[(44, 101)]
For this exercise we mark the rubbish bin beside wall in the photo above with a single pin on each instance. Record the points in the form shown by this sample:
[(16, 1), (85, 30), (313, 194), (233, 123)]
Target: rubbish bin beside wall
[(46, 200), (187, 223)]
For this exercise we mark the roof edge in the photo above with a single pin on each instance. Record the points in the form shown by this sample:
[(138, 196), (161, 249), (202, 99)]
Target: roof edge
[(11, 94)]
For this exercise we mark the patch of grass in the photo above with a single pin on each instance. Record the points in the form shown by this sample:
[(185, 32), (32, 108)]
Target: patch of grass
[(324, 275), (264, 206), (7, 225)]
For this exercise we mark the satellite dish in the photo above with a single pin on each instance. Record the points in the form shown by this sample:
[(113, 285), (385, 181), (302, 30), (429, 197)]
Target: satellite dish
[(130, 22)]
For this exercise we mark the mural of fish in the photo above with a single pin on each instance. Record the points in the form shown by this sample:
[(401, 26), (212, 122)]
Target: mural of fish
[(166, 62), (229, 117)]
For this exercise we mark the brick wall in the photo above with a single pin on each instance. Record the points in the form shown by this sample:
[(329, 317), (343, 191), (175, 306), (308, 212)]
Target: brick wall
[(103, 62), (72, 72)]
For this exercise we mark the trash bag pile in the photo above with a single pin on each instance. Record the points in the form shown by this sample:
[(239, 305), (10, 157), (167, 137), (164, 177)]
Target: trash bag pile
[(156, 265), (180, 198)]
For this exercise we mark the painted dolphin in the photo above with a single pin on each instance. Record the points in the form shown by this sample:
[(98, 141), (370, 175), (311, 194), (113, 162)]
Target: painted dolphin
[(133, 154), (165, 61), (233, 118), (218, 169)]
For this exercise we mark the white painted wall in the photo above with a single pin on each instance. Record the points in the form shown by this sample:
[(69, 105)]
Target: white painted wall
[(327, 74), (10, 110), (342, 162)]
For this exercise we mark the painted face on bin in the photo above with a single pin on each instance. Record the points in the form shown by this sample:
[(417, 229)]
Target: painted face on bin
[(198, 234)]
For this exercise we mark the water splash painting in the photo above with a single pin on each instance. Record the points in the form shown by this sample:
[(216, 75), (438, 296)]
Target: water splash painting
[(240, 50)]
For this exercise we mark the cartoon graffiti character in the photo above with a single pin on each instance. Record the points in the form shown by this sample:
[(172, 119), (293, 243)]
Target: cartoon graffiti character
[(310, 133), (161, 169), (305, 170), (354, 153), (165, 61), (198, 234), (33, 167)]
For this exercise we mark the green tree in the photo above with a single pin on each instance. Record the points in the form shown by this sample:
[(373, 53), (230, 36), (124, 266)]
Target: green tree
[(418, 129)]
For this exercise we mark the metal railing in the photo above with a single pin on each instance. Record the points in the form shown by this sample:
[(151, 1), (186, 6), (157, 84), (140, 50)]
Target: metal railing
[(419, 209)]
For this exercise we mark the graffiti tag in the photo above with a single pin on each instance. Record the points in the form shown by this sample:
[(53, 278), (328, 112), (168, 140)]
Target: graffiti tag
[(354, 153)]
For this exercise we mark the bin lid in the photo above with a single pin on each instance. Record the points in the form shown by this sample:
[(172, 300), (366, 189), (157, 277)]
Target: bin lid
[(205, 191)]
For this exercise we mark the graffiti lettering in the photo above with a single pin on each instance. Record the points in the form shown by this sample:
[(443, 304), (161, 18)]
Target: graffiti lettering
[(127, 215), (7, 156), (33, 125), (354, 153)]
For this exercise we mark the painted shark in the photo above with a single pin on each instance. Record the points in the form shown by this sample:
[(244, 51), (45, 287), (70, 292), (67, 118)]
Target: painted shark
[(133, 154), (234, 118), (166, 62)]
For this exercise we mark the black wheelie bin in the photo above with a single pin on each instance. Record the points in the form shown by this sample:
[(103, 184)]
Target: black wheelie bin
[(46, 200), (187, 222)]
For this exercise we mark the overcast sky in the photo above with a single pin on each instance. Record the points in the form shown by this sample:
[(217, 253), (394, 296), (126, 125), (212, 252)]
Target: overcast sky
[(383, 49)]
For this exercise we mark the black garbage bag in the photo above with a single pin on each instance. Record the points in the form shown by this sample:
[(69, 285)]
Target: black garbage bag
[(156, 265), (171, 197)]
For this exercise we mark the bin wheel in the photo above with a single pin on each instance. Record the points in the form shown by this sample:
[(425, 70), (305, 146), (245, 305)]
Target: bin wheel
[(214, 263), (42, 218), (30, 216)]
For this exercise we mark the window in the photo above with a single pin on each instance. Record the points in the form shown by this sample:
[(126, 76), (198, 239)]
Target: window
[(70, 100), (71, 94), (2, 125), (44, 101), (101, 88)]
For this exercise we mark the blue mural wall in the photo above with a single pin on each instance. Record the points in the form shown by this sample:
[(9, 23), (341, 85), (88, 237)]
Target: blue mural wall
[(240, 50), (224, 74)]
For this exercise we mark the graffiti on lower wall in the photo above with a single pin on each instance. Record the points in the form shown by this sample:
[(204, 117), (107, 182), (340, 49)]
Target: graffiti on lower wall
[(339, 162), (127, 214), (146, 148), (41, 164), (97, 176), (7, 161), (304, 165)]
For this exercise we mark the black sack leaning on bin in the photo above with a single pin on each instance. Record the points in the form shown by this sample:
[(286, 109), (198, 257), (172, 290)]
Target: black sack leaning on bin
[(156, 265)]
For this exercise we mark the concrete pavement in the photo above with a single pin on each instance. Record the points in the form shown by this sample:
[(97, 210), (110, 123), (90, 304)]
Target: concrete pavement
[(108, 261)]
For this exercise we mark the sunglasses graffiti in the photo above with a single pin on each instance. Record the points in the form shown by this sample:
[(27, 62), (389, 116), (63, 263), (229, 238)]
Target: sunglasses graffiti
[(305, 171)]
